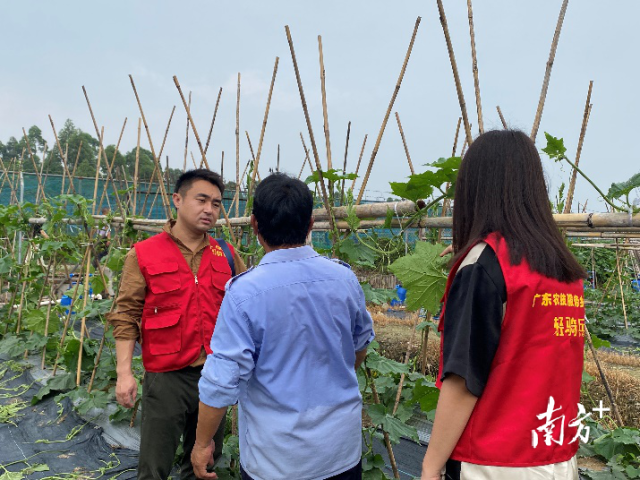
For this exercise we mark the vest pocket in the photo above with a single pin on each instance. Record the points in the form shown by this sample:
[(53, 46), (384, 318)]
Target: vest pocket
[(163, 277), (220, 274), (163, 334)]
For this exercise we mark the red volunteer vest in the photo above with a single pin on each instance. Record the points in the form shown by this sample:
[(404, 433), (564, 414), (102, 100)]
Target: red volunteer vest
[(539, 355), (180, 309)]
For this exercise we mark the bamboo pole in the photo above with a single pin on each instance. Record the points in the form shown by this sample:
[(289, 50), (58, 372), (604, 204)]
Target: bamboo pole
[(387, 441), (213, 121), (63, 170), (44, 156), (325, 113), (374, 153), (624, 307), (502, 120), (70, 312), (52, 296), (95, 185), (75, 164), (204, 155), (583, 131), (344, 167), (106, 160), (406, 361), (456, 76), (135, 169), (364, 142), (155, 166), (306, 157), (547, 74), (474, 61), (253, 158), (238, 147), (222, 167), (308, 121), (64, 158), (264, 127), (35, 167), (109, 169), (165, 200), (186, 140), (404, 143), (614, 405), (84, 317), (278, 160)]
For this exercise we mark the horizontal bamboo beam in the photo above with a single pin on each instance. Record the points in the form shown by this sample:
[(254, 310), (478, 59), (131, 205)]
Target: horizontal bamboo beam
[(599, 234), (612, 246)]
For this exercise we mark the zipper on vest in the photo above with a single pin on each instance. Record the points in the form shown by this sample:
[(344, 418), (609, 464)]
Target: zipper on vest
[(196, 279)]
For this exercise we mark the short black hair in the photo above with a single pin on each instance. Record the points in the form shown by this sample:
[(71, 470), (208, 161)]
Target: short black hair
[(184, 182), (283, 207)]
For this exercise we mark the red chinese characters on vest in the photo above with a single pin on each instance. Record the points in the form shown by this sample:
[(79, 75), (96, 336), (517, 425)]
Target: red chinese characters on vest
[(540, 355), (180, 308)]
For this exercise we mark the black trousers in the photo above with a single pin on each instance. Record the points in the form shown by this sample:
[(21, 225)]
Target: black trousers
[(354, 473), (169, 410)]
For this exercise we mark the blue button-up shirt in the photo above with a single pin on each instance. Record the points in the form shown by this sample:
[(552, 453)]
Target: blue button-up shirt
[(284, 348)]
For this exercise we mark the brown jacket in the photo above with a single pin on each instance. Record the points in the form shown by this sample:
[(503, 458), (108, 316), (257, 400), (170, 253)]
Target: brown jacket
[(126, 317)]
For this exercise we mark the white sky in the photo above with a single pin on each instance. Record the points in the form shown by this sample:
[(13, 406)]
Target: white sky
[(51, 49)]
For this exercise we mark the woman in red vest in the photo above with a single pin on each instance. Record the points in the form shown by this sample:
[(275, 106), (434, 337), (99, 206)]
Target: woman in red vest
[(512, 326)]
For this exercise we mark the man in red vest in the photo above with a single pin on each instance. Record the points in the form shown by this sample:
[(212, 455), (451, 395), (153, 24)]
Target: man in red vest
[(171, 289)]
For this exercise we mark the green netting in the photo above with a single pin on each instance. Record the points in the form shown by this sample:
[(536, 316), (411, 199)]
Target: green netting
[(148, 204)]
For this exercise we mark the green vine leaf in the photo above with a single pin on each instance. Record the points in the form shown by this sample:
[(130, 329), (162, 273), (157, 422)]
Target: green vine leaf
[(618, 190), (422, 185), (555, 147), (390, 424), (383, 365), (423, 275)]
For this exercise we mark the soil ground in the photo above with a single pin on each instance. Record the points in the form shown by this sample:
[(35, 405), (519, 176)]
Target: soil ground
[(622, 369)]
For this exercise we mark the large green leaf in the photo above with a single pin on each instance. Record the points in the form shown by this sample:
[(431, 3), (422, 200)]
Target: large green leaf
[(390, 424), (36, 321), (378, 296), (357, 253), (618, 190), (422, 185), (383, 365), (555, 147), (59, 383), (423, 275), (333, 175), (426, 394)]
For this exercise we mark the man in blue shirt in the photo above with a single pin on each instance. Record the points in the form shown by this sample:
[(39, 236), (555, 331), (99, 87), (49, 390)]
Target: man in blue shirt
[(290, 335)]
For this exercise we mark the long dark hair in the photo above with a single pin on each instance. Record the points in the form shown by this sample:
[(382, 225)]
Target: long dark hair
[(501, 188)]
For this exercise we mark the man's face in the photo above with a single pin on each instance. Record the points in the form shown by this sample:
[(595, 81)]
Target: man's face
[(198, 207)]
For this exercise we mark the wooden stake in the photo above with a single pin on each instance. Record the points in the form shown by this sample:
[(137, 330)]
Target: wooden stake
[(344, 167), (186, 141), (63, 156), (325, 113), (306, 158), (44, 156), (406, 361), (364, 142), (456, 76), (238, 147), (75, 164), (624, 308), (583, 131), (222, 167), (165, 200), (204, 155), (35, 167), (474, 60), (85, 295), (155, 167), (264, 127), (106, 160), (278, 160), (404, 142), (386, 117), (308, 120), (387, 441), (502, 120), (109, 169), (547, 73), (213, 121), (95, 185), (135, 169)]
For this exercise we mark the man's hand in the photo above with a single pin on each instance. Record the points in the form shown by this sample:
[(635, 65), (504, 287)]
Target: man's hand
[(201, 457), (447, 251), (126, 390)]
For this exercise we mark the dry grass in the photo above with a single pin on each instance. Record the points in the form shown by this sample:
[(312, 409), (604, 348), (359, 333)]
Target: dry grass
[(622, 371)]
